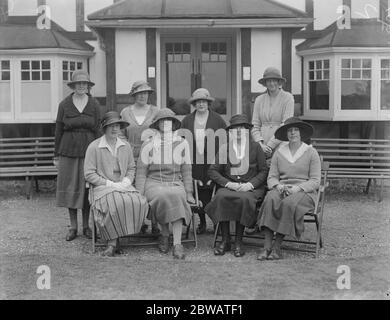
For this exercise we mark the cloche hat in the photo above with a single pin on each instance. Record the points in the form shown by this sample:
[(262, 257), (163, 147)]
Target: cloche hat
[(239, 120), (140, 86), (271, 73), (305, 129), (200, 94), (165, 113), (80, 76), (112, 117)]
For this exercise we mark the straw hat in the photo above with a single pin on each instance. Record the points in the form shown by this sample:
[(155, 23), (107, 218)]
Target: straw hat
[(112, 117), (305, 129), (271, 73), (80, 76), (200, 94)]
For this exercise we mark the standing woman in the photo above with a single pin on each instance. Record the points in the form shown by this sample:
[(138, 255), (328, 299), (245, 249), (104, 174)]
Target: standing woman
[(270, 110), (164, 177), (139, 116), (77, 125), (198, 122)]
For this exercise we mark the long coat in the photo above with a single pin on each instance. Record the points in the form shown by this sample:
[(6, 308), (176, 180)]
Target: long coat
[(214, 122), (229, 205)]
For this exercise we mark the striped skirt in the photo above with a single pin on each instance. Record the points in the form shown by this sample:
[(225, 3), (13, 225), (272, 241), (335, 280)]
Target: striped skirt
[(119, 214)]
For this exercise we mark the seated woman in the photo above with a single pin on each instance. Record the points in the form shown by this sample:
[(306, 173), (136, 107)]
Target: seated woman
[(293, 181), (241, 171), (118, 208), (164, 176)]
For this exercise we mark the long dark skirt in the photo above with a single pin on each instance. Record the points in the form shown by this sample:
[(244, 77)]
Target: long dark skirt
[(119, 214), (229, 205), (71, 192), (285, 215), (168, 203)]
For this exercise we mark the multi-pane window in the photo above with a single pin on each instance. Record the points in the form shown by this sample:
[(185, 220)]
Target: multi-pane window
[(319, 84), (68, 67), (35, 70), (385, 84), (213, 51), (5, 86), (355, 84), (5, 70), (178, 52)]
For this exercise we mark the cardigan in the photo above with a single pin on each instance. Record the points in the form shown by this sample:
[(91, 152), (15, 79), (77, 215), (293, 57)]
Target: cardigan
[(304, 172), (214, 122), (268, 118), (74, 130), (133, 133), (99, 165), (160, 171), (256, 172)]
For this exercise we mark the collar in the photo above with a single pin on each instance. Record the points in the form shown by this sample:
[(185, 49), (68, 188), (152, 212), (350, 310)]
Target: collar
[(104, 144), (284, 150)]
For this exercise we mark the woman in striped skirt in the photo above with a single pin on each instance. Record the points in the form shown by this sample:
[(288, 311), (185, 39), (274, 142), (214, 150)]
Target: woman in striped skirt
[(118, 208)]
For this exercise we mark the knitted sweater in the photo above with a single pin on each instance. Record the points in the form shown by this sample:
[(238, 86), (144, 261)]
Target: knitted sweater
[(303, 169), (267, 118), (151, 167)]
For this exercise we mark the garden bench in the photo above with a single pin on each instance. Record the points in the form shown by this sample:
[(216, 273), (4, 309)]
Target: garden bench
[(28, 158), (356, 159)]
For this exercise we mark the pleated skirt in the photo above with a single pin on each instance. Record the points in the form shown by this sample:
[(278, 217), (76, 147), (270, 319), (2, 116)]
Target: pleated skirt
[(168, 203), (285, 215), (119, 214), (71, 192), (229, 205)]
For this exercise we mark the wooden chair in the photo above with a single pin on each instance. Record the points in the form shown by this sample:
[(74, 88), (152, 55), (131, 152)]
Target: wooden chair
[(152, 237), (316, 216)]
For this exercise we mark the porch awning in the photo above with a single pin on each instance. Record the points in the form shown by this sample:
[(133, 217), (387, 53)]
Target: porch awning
[(166, 12)]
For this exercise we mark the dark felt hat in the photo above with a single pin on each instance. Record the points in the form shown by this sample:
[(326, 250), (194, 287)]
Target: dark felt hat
[(239, 120), (271, 73), (305, 129), (165, 113), (112, 117)]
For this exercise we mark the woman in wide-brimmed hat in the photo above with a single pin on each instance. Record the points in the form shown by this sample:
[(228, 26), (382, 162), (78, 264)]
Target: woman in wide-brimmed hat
[(118, 208), (164, 177), (203, 118), (139, 115), (293, 180), (77, 125), (240, 171), (270, 110)]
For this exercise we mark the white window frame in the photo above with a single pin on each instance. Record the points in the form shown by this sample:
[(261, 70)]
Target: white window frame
[(382, 114), (7, 116), (315, 113), (372, 113)]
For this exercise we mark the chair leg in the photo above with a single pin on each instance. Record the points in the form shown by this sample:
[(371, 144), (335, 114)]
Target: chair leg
[(93, 236), (194, 231), (381, 194), (28, 187), (368, 186), (216, 235)]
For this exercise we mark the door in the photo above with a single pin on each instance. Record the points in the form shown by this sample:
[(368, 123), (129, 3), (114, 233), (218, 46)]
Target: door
[(196, 62)]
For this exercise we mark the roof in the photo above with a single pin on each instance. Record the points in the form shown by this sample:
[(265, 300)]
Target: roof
[(363, 33), (23, 34), (186, 9)]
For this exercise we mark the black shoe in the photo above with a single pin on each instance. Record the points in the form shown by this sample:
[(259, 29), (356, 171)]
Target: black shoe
[(155, 230), (201, 228), (238, 251), (144, 228), (222, 248), (87, 232), (71, 235), (163, 245)]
